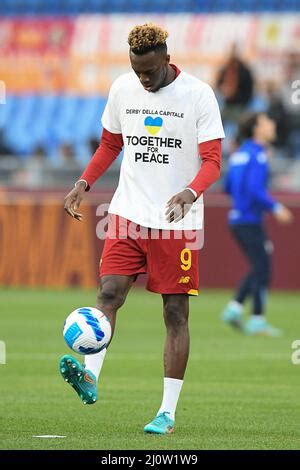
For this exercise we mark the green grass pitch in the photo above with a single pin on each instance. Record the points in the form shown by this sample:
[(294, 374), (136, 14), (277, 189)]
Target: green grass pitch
[(239, 392)]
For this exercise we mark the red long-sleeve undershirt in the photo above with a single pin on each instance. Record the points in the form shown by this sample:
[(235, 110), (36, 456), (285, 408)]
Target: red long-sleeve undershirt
[(109, 148), (111, 145), (211, 156)]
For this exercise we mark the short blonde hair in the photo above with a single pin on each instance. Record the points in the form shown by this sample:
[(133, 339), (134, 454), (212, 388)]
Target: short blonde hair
[(147, 37)]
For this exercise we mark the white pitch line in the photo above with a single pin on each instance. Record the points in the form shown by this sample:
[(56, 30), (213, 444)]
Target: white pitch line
[(49, 436)]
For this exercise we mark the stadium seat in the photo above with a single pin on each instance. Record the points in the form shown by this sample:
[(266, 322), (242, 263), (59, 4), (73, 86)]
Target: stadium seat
[(32, 6), (53, 8), (17, 134), (63, 119), (84, 122), (98, 6), (103, 6), (258, 104), (97, 126), (31, 120), (8, 7), (41, 127), (49, 120), (7, 111), (73, 7)]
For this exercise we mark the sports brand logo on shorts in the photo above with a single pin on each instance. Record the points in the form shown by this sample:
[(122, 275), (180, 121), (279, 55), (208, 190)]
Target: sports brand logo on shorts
[(184, 280)]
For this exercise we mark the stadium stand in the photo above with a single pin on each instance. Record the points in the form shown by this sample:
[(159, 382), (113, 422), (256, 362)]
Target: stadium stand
[(44, 118), (74, 7), (48, 120)]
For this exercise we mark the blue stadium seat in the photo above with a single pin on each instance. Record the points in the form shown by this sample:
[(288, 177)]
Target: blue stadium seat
[(8, 7), (3, 8), (136, 6), (97, 126), (103, 6), (41, 126), (90, 5), (73, 7), (178, 6), (17, 134), (21, 6), (63, 119), (122, 6), (90, 112), (258, 104), (7, 111), (54, 7), (32, 6), (50, 120), (267, 5)]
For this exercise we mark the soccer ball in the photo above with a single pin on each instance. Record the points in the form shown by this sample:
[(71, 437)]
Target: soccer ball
[(87, 330)]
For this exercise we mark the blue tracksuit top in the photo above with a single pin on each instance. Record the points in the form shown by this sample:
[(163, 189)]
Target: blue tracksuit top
[(246, 183)]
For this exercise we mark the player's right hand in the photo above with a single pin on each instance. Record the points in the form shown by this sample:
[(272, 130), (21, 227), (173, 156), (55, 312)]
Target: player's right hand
[(73, 200), (283, 215)]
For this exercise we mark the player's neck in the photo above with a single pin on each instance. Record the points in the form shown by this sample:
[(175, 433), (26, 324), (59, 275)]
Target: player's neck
[(260, 141), (170, 76)]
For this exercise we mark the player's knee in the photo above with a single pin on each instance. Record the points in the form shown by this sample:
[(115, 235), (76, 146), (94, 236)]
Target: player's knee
[(263, 274), (110, 297), (266, 278), (176, 317)]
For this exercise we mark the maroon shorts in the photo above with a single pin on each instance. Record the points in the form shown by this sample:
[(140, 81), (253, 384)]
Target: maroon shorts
[(171, 258)]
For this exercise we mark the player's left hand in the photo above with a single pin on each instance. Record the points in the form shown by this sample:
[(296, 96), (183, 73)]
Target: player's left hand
[(179, 205)]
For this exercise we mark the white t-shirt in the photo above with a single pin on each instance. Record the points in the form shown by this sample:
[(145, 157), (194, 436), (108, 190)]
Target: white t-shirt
[(161, 133)]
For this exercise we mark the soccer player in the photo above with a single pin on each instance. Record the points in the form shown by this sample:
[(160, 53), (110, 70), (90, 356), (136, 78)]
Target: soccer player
[(246, 183), (165, 119)]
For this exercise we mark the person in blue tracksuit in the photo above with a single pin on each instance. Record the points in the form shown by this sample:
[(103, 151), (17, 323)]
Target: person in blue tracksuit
[(246, 183)]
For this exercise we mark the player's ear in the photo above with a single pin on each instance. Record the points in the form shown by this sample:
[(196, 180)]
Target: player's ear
[(168, 58)]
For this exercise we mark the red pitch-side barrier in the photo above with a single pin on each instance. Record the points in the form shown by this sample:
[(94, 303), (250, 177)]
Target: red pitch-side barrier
[(41, 246)]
